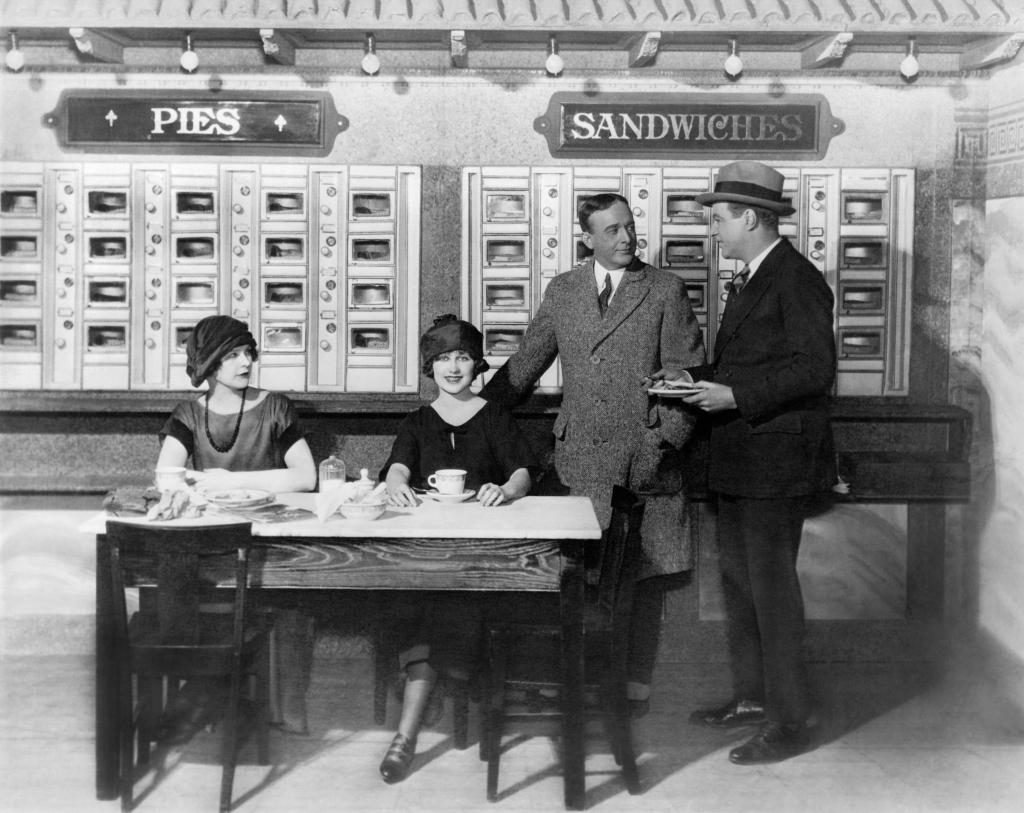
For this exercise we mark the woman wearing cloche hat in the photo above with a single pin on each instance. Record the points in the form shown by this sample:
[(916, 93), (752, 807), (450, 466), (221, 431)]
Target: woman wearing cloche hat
[(234, 435)]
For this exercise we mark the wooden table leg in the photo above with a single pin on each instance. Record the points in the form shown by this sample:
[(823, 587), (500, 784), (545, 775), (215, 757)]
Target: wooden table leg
[(107, 746), (573, 677)]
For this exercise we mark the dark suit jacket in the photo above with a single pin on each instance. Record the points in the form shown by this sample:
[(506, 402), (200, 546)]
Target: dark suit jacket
[(776, 348)]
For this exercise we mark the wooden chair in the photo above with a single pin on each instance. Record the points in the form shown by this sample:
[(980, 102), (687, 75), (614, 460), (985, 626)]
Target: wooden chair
[(170, 640), (523, 658)]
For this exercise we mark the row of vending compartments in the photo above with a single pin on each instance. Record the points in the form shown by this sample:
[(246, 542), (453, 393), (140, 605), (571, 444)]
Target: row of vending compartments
[(111, 334), (510, 255), (112, 248), (24, 202), (855, 297), (501, 207), (861, 336), (114, 291), (860, 346), (293, 376)]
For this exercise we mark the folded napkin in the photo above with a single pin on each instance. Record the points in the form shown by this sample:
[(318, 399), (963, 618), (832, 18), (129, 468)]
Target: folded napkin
[(327, 502)]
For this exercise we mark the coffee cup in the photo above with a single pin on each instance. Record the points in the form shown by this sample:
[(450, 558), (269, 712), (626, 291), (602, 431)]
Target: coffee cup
[(169, 478), (448, 481)]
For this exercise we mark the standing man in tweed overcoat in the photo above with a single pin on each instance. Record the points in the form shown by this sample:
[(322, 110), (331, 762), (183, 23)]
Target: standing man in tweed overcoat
[(609, 430), (771, 454)]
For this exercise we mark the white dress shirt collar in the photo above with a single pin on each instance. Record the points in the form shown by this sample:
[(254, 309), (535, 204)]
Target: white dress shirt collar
[(756, 262), (600, 271)]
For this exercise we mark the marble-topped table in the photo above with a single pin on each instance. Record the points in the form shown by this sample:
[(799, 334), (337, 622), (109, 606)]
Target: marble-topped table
[(531, 544)]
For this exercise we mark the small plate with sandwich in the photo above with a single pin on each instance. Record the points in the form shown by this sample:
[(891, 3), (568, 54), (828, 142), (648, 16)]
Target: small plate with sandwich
[(677, 388)]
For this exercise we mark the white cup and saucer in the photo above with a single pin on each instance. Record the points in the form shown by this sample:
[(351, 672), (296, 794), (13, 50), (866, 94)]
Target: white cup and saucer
[(449, 486)]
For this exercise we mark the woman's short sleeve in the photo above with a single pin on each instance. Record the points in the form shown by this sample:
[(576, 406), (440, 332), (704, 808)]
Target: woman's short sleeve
[(406, 448), (508, 443), (181, 427), (285, 420)]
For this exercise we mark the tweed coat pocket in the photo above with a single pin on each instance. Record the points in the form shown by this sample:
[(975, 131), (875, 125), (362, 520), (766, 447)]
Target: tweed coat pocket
[(655, 466)]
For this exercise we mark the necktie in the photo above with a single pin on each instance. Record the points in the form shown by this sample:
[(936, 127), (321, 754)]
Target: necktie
[(740, 279), (605, 295)]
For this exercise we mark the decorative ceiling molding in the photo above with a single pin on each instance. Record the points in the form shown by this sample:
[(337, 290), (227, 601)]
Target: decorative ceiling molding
[(625, 15)]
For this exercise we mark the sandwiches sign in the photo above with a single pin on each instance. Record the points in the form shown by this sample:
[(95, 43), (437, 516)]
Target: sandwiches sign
[(687, 126)]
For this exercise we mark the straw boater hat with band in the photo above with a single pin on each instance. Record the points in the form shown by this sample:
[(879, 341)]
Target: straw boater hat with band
[(748, 182)]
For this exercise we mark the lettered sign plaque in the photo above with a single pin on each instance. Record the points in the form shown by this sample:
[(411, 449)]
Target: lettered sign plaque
[(265, 123), (688, 126)]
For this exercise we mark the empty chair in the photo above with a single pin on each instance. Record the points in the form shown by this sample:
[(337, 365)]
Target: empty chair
[(523, 658), (170, 638)]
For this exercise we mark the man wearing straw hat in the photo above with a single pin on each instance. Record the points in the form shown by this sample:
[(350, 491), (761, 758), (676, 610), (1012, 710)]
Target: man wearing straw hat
[(771, 452)]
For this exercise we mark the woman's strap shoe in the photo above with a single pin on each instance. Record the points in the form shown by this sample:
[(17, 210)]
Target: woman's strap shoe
[(396, 763)]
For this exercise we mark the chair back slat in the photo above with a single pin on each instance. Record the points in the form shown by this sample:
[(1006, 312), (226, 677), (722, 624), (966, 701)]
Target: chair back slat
[(241, 592), (173, 556)]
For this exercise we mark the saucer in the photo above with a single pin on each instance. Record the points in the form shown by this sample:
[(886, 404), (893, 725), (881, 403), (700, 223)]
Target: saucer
[(673, 392), (239, 497), (439, 497)]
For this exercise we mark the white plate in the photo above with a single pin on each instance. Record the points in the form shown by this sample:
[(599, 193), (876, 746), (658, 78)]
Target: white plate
[(673, 392), (239, 497), (438, 497)]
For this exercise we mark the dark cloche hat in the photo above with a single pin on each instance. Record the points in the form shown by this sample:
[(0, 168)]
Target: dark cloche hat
[(210, 340), (451, 333)]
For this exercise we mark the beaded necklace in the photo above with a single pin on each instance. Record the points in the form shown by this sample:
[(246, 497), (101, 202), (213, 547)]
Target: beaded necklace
[(238, 425)]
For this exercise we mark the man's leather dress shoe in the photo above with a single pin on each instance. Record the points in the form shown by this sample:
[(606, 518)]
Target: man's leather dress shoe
[(733, 714), (773, 743)]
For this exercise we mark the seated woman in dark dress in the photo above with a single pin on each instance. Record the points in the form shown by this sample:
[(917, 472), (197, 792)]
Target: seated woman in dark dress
[(235, 435), (459, 430)]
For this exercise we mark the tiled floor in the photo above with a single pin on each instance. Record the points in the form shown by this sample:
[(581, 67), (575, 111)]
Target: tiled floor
[(891, 740)]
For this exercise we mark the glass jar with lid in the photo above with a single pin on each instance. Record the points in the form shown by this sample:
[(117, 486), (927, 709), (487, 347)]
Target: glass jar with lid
[(332, 473)]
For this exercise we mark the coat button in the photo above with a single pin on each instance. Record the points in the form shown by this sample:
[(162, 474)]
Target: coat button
[(595, 359)]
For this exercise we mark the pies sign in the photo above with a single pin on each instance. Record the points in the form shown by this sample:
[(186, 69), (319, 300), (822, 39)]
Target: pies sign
[(266, 123)]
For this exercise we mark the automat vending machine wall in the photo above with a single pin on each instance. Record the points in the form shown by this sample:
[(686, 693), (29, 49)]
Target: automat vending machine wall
[(21, 278), (106, 267), (856, 225)]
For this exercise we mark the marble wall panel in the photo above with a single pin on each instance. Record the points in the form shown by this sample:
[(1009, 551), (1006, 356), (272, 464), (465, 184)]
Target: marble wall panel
[(999, 515)]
